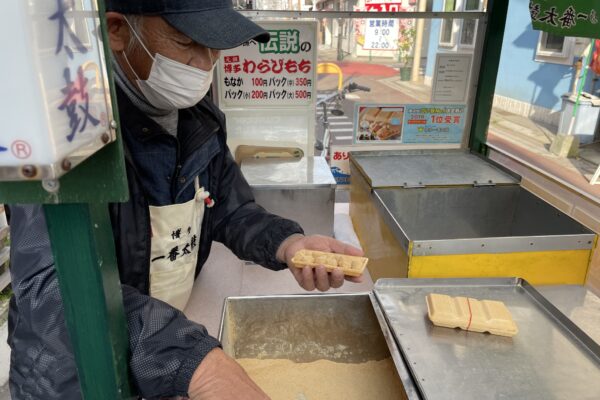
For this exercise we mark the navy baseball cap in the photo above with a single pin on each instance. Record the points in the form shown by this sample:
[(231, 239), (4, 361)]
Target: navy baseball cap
[(212, 23)]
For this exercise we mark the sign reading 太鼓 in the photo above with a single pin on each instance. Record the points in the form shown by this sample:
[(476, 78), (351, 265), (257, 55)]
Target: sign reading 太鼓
[(566, 17), (55, 104)]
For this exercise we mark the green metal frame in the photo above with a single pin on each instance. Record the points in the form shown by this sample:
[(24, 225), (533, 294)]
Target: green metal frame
[(84, 255), (492, 49)]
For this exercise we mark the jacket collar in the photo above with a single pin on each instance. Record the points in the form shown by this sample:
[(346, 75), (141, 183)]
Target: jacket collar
[(195, 124)]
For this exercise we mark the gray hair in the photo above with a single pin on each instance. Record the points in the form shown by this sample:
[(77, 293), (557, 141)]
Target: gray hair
[(136, 23)]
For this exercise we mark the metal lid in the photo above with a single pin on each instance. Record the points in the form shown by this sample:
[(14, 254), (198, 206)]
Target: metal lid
[(421, 168), (307, 172)]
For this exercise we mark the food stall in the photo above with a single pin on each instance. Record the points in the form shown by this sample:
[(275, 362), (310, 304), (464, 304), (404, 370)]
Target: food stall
[(474, 220)]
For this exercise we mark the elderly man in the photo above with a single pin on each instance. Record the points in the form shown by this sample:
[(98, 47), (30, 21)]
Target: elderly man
[(185, 192)]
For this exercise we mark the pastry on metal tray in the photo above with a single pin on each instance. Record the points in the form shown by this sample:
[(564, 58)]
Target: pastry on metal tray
[(350, 265), (470, 314)]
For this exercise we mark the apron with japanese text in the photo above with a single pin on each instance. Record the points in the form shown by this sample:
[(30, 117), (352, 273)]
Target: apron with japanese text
[(174, 252)]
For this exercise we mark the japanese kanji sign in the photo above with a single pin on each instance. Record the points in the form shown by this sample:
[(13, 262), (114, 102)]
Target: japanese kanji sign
[(59, 102), (434, 123), (280, 72), (386, 124), (381, 34), (566, 17), (451, 77), (340, 164)]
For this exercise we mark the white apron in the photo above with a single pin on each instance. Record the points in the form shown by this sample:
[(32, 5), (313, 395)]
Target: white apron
[(174, 250)]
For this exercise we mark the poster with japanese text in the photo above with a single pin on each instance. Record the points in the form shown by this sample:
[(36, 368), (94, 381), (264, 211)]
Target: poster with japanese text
[(451, 78), (378, 123), (434, 123), (381, 34), (281, 72)]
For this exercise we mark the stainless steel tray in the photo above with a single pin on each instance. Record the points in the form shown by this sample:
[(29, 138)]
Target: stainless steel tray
[(349, 328), (550, 357)]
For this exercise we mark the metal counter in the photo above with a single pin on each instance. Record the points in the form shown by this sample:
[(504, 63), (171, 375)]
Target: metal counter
[(550, 357), (451, 214), (302, 190), (578, 304)]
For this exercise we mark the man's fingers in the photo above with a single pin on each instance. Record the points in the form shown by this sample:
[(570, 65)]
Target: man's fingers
[(355, 279), (308, 279), (322, 278), (336, 278), (297, 272)]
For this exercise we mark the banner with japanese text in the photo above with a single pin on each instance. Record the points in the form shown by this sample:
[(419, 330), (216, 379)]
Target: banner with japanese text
[(566, 17), (434, 123), (281, 72)]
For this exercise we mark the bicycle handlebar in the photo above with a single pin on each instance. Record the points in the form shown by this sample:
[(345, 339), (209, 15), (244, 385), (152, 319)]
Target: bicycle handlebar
[(349, 88), (353, 87)]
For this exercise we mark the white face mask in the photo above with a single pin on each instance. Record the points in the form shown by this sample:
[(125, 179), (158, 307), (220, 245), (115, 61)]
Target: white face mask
[(171, 84)]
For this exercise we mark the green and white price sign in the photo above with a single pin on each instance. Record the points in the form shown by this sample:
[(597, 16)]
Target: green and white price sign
[(566, 17)]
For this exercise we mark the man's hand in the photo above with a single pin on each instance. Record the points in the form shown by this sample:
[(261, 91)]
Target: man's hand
[(219, 377), (319, 278)]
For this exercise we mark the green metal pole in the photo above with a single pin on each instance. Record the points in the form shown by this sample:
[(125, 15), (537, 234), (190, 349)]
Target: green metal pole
[(84, 255), (490, 62)]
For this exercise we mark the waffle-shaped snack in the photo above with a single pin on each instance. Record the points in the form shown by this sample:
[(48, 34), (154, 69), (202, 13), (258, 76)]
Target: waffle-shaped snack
[(470, 314), (383, 116), (368, 114), (350, 265), (388, 131)]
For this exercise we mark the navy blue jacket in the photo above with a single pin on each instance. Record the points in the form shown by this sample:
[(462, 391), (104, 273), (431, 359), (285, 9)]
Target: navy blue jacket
[(165, 347)]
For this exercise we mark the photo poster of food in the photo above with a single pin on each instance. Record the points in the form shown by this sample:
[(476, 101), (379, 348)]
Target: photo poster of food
[(378, 123)]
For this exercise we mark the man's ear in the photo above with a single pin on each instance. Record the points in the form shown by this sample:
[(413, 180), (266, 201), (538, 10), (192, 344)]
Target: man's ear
[(118, 31)]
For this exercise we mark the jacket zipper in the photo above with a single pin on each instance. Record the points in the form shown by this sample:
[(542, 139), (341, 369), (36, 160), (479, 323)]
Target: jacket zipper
[(175, 176)]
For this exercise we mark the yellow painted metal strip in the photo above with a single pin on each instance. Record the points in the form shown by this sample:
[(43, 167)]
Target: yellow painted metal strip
[(542, 268)]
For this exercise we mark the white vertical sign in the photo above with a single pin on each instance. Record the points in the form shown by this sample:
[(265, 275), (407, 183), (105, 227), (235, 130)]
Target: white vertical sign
[(451, 78), (381, 34), (55, 100)]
